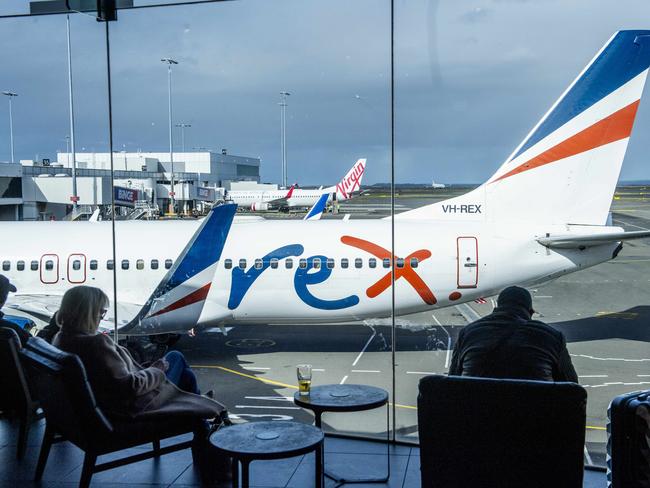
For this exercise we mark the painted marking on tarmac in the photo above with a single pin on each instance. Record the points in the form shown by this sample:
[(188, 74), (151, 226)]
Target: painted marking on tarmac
[(270, 398), (468, 312), (320, 370), (448, 340), (264, 407), (586, 356), (592, 376), (617, 383), (588, 457), (374, 333), (631, 225), (256, 368), (420, 372), (238, 373), (365, 371), (345, 378), (643, 376)]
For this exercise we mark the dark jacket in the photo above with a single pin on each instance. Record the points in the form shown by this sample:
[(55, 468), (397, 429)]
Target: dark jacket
[(123, 387), (507, 344), (23, 335), (48, 332)]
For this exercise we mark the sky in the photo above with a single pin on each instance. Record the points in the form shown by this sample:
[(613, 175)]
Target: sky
[(471, 79)]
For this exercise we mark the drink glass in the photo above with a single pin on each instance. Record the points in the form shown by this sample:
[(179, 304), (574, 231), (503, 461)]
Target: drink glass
[(303, 372)]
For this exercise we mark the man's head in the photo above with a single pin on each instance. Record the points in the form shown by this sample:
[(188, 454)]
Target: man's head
[(5, 288), (516, 297)]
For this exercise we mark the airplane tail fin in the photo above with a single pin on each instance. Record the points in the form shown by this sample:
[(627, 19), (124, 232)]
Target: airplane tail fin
[(316, 212), (180, 296), (351, 182), (566, 169)]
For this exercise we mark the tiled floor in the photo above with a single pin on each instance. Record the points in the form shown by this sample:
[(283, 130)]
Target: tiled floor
[(351, 457)]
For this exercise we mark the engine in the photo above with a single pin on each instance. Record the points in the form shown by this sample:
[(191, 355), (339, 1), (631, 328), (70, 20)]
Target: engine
[(260, 206)]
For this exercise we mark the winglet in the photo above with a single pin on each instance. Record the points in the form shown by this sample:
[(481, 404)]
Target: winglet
[(177, 301), (316, 212)]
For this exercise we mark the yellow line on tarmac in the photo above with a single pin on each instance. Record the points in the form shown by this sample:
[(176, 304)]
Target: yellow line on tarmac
[(593, 427)]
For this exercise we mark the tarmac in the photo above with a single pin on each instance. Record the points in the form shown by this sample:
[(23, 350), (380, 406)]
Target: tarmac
[(603, 311)]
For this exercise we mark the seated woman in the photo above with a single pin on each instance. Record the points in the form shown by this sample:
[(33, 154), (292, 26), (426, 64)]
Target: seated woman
[(122, 386)]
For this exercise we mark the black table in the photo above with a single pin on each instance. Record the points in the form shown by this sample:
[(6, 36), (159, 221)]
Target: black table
[(268, 440), (347, 398)]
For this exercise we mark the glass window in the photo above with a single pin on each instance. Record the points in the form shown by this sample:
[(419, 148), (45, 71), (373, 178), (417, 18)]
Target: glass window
[(259, 264), (6, 265), (302, 263), (242, 264), (372, 263), (400, 262), (109, 264), (33, 265), (386, 262), (20, 265), (169, 263), (330, 263), (358, 263), (344, 263), (227, 264), (288, 263), (49, 265), (154, 264), (139, 264), (274, 263), (125, 264), (414, 262), (76, 265), (316, 263), (93, 264)]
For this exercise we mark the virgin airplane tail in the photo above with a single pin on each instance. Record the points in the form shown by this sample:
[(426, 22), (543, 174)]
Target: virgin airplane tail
[(350, 183), (566, 169)]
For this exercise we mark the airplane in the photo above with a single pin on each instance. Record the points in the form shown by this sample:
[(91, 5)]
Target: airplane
[(437, 186), (259, 201), (542, 214)]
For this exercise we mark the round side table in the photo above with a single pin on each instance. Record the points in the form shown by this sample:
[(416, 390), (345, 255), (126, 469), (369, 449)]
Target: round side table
[(268, 440)]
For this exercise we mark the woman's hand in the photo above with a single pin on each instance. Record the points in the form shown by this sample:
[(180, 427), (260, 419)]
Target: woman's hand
[(161, 364)]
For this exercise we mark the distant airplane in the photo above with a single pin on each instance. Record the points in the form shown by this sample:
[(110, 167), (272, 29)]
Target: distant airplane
[(256, 200), (436, 186), (542, 215)]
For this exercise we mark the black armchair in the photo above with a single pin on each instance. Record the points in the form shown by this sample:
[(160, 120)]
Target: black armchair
[(492, 433), (16, 396), (71, 414)]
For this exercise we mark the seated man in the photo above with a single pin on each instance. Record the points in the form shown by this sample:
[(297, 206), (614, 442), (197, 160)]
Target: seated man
[(508, 344), (5, 288)]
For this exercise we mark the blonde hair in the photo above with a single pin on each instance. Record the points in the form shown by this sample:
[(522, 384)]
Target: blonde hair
[(81, 309)]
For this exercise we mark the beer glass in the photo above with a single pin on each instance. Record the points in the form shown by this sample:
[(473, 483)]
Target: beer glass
[(304, 378)]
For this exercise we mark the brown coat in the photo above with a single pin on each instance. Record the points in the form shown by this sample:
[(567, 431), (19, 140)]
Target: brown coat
[(123, 387)]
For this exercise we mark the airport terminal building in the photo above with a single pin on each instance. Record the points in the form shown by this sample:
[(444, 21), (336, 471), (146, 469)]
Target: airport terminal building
[(43, 190)]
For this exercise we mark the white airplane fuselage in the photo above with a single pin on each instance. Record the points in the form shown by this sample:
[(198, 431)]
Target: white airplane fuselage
[(457, 262)]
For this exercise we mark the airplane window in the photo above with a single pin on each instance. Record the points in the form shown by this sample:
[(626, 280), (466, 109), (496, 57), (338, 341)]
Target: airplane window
[(76, 265), (154, 264), (302, 263), (168, 263), (330, 263), (372, 263), (259, 264), (6, 265), (400, 262), (316, 263), (386, 262), (414, 262), (125, 264), (93, 264), (20, 265), (358, 263), (139, 264), (34, 265), (109, 264), (227, 263), (274, 263), (344, 262), (288, 263), (49, 265), (242, 263)]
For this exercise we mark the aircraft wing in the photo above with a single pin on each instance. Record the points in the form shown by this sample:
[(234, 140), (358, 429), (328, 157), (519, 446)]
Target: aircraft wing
[(581, 241)]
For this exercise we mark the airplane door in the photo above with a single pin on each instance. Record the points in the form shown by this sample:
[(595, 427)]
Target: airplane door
[(76, 268), (49, 269), (467, 270)]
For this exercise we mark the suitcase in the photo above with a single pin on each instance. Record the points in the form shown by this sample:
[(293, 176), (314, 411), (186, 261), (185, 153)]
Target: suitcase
[(628, 441)]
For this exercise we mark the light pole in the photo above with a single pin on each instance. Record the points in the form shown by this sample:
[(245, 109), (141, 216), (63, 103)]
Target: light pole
[(11, 96), (75, 197), (169, 62), (283, 134), (183, 126)]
